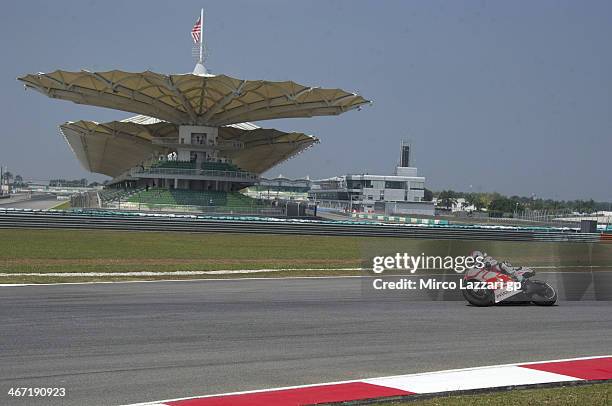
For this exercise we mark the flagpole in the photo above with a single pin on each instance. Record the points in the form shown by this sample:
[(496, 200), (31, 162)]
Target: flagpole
[(201, 35)]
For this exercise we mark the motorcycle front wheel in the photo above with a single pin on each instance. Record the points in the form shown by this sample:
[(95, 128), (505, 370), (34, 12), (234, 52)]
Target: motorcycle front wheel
[(546, 295)]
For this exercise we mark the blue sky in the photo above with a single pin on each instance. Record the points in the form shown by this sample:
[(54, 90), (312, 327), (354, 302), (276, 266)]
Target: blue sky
[(514, 97)]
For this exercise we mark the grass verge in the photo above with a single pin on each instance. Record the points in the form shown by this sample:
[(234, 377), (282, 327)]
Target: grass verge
[(579, 395), (43, 251), (65, 205)]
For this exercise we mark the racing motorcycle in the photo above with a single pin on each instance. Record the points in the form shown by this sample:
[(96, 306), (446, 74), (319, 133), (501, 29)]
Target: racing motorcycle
[(491, 284)]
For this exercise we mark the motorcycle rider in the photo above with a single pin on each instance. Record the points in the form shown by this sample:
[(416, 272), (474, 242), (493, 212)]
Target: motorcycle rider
[(517, 273)]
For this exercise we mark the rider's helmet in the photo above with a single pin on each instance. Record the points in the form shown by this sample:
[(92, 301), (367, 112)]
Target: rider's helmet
[(488, 261), (484, 258), (476, 254)]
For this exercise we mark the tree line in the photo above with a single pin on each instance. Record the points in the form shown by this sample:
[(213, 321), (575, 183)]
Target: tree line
[(17, 181), (10, 179), (496, 202)]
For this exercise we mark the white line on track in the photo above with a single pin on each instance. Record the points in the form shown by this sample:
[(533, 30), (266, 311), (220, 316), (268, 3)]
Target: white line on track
[(172, 273), (184, 280), (224, 272), (242, 271)]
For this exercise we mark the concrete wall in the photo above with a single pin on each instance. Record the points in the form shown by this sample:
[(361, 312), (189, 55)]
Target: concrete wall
[(420, 208)]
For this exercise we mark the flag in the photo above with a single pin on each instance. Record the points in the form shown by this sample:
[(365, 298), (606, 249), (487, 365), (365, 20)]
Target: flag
[(196, 31)]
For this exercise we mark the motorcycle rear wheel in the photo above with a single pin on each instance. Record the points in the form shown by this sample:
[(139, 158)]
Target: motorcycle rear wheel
[(478, 297)]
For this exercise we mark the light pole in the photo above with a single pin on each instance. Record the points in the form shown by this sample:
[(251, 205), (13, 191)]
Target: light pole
[(516, 213)]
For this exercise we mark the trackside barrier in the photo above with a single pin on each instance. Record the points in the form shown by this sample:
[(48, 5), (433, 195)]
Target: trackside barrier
[(99, 219), (399, 219)]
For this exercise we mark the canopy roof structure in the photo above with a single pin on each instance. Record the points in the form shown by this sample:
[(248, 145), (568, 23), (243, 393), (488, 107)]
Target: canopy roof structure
[(190, 99), (114, 147)]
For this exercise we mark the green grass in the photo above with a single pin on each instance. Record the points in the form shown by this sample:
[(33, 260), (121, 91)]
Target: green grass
[(581, 395), (43, 251), (62, 206), (81, 244)]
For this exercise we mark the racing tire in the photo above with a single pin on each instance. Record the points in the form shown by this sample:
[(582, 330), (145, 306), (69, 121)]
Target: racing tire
[(547, 295), (478, 297)]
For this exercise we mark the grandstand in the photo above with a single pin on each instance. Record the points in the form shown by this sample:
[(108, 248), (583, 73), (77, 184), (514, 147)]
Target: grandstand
[(280, 188), (174, 165), (114, 195), (209, 165), (220, 166), (191, 140), (177, 197)]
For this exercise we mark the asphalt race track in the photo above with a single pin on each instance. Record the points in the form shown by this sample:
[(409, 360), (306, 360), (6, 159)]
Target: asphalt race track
[(111, 344), (41, 201)]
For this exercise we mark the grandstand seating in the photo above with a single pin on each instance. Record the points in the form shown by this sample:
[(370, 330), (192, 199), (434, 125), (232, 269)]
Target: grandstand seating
[(211, 166), (178, 197), (111, 195), (174, 165), (220, 166)]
